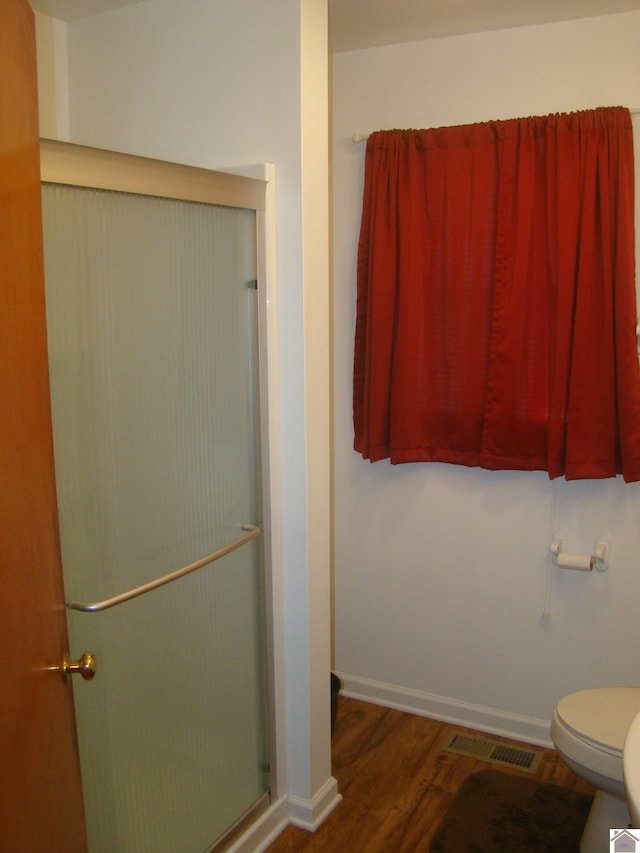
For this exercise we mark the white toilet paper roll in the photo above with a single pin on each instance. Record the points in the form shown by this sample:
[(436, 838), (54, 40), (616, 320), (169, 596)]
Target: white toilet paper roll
[(582, 562)]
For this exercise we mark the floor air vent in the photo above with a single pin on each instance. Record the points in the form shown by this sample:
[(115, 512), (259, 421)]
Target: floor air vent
[(493, 751)]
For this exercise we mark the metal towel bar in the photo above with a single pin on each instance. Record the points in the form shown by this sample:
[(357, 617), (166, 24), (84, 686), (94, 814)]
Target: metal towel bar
[(95, 607)]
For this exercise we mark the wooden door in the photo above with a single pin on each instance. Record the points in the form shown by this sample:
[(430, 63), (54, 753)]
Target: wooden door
[(40, 792)]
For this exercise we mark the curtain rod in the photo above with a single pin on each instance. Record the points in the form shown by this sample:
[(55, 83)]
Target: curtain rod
[(357, 138)]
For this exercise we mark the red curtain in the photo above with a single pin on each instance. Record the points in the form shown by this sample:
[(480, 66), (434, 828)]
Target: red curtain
[(496, 306)]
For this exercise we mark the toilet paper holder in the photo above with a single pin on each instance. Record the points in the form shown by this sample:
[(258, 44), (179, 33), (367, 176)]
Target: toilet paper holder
[(581, 562)]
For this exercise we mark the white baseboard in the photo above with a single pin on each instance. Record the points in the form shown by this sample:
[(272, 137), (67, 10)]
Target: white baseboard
[(263, 831), (485, 719), (309, 814)]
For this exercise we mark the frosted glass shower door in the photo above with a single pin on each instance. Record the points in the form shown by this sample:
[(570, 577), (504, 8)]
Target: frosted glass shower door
[(151, 310)]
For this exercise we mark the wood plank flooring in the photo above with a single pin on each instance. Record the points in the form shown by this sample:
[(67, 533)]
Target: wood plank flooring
[(396, 782)]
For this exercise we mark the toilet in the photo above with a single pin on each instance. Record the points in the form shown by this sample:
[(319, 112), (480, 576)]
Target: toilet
[(588, 730)]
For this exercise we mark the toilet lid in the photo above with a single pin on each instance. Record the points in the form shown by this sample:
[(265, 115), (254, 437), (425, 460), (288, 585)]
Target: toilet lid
[(601, 716)]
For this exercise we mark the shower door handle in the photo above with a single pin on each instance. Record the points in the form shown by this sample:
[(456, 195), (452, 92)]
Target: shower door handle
[(86, 666), (95, 607)]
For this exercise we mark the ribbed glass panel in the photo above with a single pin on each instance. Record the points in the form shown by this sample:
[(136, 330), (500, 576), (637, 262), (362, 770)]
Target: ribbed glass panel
[(152, 351)]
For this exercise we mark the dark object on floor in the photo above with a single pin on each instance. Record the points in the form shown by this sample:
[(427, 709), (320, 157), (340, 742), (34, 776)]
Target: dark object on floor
[(336, 687), (496, 812)]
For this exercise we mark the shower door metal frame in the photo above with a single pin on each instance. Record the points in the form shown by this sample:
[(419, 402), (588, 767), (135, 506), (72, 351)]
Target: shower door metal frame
[(84, 166)]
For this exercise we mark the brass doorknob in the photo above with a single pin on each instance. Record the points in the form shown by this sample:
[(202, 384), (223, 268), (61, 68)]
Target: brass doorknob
[(86, 666)]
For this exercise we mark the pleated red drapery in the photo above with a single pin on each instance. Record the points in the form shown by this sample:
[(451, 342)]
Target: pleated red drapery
[(496, 305)]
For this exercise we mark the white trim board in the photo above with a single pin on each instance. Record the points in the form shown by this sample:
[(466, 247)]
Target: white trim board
[(309, 814), (263, 831), (491, 720)]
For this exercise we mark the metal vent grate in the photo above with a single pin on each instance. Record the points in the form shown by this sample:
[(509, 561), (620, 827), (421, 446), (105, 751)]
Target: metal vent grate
[(493, 751)]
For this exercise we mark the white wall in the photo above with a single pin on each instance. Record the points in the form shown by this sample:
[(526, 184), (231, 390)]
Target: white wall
[(53, 77), (218, 84), (441, 571)]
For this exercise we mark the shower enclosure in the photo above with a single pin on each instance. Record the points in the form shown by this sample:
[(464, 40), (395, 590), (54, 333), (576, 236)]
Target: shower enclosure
[(152, 312)]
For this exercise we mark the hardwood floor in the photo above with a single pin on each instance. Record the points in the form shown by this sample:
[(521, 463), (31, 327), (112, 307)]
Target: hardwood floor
[(396, 782)]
